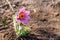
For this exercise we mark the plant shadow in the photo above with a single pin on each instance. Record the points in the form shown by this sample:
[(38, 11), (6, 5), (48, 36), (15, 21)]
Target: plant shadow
[(28, 37), (46, 35)]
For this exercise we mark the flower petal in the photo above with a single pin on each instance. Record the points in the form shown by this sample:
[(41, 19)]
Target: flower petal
[(24, 21), (22, 10), (27, 12), (26, 16)]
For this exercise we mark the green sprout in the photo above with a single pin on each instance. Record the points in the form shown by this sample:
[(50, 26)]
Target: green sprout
[(3, 20)]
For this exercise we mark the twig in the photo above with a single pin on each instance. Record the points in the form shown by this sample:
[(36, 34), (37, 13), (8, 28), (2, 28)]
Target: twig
[(10, 5)]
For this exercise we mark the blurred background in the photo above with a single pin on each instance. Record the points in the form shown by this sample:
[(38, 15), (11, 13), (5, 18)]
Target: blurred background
[(44, 19)]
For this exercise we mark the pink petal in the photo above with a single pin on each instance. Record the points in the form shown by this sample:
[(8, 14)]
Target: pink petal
[(22, 10), (23, 21), (27, 12)]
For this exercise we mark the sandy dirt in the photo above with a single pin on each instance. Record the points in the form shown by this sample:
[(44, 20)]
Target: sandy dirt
[(44, 19)]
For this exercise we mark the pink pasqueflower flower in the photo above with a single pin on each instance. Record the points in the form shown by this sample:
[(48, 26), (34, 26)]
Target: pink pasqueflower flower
[(23, 16)]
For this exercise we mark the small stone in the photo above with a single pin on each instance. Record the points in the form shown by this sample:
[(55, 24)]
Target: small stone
[(13, 5), (1, 24), (34, 10), (2, 11)]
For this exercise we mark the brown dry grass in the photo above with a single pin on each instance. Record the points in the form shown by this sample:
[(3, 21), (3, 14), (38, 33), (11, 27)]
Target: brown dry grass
[(44, 21)]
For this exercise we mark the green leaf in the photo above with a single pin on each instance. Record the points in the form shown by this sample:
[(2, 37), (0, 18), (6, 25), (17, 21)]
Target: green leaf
[(3, 21), (27, 28), (23, 32)]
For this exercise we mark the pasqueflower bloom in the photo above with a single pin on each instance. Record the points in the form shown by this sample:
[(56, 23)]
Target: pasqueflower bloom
[(23, 16)]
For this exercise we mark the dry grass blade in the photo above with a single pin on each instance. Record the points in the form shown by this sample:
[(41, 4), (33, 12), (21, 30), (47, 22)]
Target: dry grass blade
[(9, 4)]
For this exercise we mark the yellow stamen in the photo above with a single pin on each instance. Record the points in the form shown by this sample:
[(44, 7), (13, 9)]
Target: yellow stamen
[(21, 15)]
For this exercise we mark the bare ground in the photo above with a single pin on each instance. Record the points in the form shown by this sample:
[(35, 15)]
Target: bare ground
[(44, 21)]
